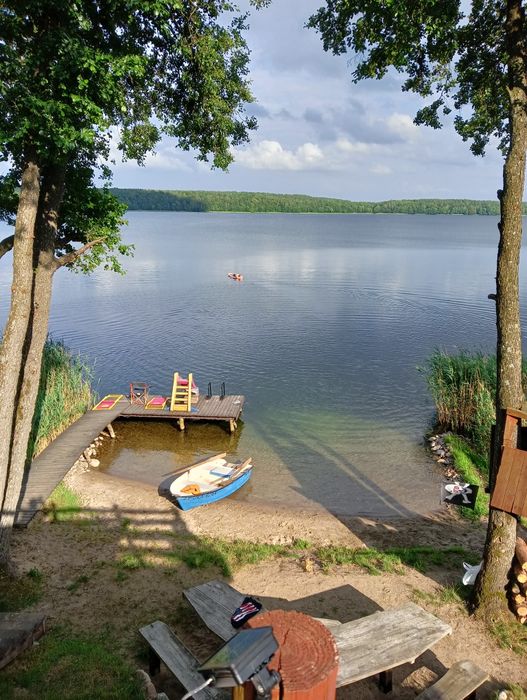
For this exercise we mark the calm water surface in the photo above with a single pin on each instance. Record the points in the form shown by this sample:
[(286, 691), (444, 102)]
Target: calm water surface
[(323, 337)]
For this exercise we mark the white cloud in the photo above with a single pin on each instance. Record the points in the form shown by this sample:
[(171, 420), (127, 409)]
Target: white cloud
[(166, 158), (403, 126), (380, 169), (354, 148), (270, 155)]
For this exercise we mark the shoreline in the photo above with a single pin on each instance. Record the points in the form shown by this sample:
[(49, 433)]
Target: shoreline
[(111, 498)]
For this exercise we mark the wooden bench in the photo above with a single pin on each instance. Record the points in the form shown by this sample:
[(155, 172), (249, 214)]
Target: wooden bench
[(370, 646), (18, 631), (166, 647), (215, 601), (459, 682)]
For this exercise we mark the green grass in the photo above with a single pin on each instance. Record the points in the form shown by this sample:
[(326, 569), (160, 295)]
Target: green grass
[(514, 692), (456, 594), (63, 504), (510, 635), (20, 593), (391, 560), (131, 561), (69, 667), (64, 394), (473, 468), (227, 557)]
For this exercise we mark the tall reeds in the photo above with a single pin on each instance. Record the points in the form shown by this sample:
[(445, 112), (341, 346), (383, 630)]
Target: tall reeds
[(64, 394), (464, 388)]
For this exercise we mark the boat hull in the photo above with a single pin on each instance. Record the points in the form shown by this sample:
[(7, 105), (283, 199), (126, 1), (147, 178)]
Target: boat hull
[(206, 481), (203, 499)]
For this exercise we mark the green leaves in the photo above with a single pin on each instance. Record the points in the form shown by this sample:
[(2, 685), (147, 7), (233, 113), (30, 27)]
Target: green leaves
[(458, 62), (76, 76)]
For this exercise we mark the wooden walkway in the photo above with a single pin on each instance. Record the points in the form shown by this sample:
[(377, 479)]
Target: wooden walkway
[(52, 464)]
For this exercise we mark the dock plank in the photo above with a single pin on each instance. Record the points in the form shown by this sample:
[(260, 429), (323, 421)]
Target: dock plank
[(52, 464), (213, 408)]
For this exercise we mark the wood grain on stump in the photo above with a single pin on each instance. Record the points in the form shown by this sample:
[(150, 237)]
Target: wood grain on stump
[(307, 656)]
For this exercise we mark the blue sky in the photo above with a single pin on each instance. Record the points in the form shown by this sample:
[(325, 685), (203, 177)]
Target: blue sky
[(320, 134)]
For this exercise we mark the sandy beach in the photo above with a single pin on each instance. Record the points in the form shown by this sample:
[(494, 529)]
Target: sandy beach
[(130, 519)]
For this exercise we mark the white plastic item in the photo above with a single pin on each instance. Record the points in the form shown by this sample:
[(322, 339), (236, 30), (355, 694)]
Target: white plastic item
[(471, 572)]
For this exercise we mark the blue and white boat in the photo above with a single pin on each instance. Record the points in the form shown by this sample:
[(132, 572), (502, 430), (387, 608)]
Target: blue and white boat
[(206, 481)]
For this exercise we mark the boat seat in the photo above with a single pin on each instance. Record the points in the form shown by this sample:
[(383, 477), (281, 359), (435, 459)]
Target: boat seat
[(200, 487)]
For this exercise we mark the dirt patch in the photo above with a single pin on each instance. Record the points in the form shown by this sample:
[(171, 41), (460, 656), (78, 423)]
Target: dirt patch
[(117, 570)]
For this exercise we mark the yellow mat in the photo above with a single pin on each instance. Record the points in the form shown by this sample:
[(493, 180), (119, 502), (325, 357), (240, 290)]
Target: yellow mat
[(157, 402), (108, 402)]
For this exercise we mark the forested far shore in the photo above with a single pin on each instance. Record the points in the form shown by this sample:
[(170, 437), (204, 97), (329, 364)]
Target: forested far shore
[(259, 202)]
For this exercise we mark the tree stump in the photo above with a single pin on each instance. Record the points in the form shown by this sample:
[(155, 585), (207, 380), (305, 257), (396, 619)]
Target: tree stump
[(306, 659)]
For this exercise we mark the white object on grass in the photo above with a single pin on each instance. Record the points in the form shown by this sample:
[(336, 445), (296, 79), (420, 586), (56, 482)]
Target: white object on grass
[(471, 572)]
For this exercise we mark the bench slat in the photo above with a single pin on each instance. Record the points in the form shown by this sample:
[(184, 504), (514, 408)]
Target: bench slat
[(215, 602), (460, 681), (177, 658), (385, 640)]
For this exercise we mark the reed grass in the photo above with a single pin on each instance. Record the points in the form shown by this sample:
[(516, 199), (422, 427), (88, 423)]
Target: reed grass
[(64, 394), (463, 387)]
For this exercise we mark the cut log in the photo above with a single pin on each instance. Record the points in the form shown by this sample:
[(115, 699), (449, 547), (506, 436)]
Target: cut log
[(518, 574), (520, 609), (521, 552)]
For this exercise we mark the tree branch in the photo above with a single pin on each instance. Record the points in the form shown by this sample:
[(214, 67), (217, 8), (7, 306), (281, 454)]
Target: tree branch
[(6, 245), (71, 257)]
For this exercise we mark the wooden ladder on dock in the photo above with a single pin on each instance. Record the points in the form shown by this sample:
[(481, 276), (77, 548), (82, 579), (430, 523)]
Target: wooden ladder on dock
[(181, 393)]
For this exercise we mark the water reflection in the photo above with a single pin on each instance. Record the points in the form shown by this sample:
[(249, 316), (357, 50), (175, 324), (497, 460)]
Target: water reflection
[(323, 337)]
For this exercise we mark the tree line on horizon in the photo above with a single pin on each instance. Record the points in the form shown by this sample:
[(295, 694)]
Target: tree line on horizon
[(261, 202)]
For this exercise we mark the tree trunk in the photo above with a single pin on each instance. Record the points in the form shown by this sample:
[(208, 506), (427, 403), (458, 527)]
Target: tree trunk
[(46, 229), (489, 592), (15, 333)]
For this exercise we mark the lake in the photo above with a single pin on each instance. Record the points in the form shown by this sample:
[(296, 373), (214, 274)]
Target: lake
[(324, 337)]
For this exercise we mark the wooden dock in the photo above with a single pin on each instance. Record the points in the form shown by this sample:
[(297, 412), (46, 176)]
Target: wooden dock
[(214, 408), (52, 464)]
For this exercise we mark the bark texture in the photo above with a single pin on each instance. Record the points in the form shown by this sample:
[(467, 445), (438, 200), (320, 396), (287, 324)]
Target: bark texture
[(14, 339), (489, 591), (43, 264)]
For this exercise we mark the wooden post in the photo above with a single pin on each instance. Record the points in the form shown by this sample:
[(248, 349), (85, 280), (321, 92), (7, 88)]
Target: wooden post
[(232, 425), (110, 430), (306, 659), (238, 693), (181, 423)]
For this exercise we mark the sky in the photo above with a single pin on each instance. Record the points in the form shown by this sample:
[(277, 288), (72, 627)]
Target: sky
[(319, 134)]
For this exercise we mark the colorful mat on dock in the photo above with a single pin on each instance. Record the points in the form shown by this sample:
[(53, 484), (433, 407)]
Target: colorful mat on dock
[(157, 402), (108, 402)]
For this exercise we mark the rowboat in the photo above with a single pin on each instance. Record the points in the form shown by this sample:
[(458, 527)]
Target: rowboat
[(206, 481)]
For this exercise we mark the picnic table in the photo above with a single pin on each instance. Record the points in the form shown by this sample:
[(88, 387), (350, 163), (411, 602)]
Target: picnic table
[(372, 645)]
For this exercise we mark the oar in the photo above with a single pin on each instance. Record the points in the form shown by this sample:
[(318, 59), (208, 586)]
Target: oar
[(227, 479), (182, 470)]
